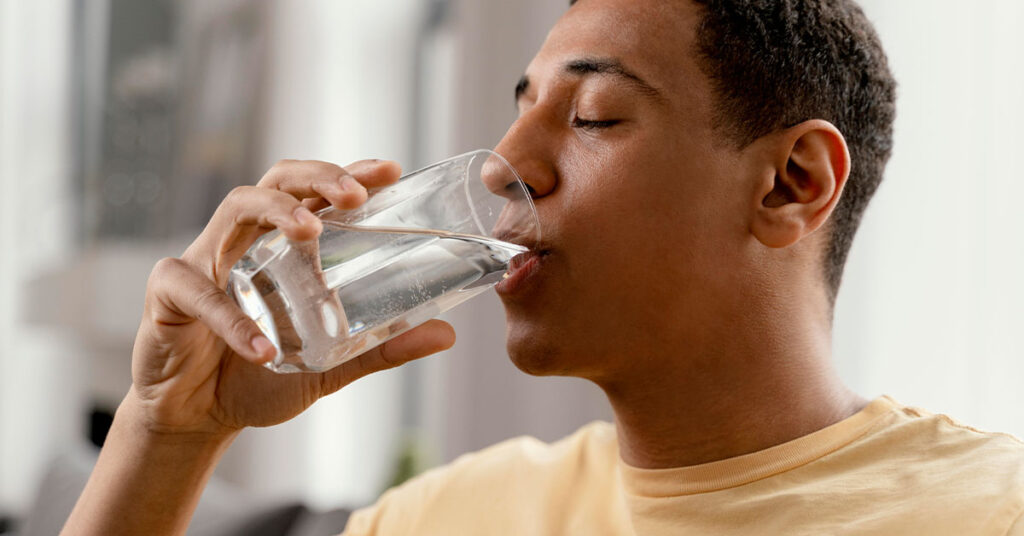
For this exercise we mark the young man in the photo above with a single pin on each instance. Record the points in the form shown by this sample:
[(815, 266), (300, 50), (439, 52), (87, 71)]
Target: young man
[(699, 167)]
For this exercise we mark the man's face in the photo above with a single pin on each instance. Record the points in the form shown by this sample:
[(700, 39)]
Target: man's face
[(642, 205)]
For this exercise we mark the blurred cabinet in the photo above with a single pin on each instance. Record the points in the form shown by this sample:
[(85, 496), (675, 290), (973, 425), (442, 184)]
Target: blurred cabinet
[(169, 104)]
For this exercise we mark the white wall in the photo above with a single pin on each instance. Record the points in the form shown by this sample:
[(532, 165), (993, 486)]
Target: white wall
[(40, 395), (932, 309)]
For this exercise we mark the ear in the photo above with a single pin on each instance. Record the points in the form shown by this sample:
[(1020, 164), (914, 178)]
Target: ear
[(811, 163)]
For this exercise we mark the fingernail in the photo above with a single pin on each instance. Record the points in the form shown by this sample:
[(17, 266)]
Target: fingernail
[(304, 216), (261, 345), (350, 184)]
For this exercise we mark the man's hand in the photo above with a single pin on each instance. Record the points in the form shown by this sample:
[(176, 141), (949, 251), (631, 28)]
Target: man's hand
[(196, 366), (195, 363)]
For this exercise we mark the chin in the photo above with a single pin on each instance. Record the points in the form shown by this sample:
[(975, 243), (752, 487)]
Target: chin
[(543, 352), (536, 362), (533, 354), (543, 338)]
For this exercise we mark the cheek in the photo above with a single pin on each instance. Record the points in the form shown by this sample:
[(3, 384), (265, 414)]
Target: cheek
[(639, 203), (668, 223)]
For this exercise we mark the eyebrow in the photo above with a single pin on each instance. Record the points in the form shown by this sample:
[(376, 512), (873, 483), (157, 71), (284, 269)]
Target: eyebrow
[(606, 66)]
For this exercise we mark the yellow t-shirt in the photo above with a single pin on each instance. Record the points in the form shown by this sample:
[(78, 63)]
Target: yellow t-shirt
[(889, 469)]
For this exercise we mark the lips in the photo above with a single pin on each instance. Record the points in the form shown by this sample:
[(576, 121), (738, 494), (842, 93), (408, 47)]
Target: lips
[(518, 261), (521, 270), (523, 267)]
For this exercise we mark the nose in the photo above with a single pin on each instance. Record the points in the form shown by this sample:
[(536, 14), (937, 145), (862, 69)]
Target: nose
[(516, 219), (529, 147)]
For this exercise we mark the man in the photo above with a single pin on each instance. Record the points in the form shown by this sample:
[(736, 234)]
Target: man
[(699, 168)]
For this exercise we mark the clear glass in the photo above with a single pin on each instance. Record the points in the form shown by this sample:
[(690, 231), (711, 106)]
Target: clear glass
[(436, 238)]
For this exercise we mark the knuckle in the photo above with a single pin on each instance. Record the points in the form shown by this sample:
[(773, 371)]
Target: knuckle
[(326, 172), (278, 205), (282, 200), (163, 270), (387, 355), (329, 168), (278, 172), (237, 195), (240, 326), (241, 191), (209, 299), (338, 174)]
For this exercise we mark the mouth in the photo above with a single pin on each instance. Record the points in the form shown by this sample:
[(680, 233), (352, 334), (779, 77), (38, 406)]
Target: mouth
[(522, 269)]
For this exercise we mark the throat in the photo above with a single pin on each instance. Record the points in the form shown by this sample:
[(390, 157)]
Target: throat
[(667, 426)]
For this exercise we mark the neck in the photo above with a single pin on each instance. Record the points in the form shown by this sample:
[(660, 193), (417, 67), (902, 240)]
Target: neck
[(743, 396)]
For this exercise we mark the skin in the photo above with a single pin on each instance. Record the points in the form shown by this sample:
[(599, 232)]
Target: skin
[(699, 264)]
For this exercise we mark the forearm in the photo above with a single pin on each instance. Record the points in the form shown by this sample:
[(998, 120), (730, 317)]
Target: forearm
[(145, 482)]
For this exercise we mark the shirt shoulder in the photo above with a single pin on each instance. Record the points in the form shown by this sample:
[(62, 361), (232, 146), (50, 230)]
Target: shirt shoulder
[(941, 472), (478, 487), (964, 452)]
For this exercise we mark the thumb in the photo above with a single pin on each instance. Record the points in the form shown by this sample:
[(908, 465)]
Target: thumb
[(429, 338)]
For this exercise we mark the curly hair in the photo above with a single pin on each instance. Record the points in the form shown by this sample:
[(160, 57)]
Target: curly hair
[(777, 63)]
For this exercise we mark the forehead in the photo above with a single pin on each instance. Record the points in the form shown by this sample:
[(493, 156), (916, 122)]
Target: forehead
[(652, 38)]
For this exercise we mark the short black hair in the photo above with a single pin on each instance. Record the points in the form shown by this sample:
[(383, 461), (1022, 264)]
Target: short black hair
[(776, 63)]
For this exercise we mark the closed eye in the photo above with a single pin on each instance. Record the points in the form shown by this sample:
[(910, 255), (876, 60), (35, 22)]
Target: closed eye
[(588, 124)]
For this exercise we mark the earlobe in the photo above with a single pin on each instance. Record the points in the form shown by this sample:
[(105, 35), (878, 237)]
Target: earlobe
[(810, 164)]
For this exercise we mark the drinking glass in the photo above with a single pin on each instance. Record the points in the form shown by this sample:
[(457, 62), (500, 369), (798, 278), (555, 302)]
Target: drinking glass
[(415, 249)]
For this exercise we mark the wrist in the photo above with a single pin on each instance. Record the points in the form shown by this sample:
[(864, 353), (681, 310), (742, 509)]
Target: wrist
[(147, 479), (135, 414)]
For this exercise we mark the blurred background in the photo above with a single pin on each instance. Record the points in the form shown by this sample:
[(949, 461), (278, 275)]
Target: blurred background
[(124, 122)]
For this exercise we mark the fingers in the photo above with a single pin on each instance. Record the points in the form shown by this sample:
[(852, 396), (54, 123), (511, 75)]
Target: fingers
[(375, 173), (344, 188), (369, 173), (252, 206), (429, 338), (285, 199), (311, 179), (245, 213), (180, 294)]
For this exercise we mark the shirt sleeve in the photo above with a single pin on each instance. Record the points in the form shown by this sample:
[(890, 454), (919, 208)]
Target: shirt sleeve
[(387, 516), (363, 522), (400, 508)]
